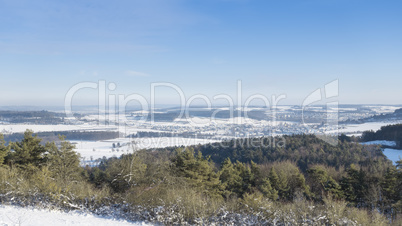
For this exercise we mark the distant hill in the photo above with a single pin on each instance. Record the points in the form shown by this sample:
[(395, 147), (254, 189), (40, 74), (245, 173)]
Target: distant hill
[(70, 135), (396, 115), (36, 117)]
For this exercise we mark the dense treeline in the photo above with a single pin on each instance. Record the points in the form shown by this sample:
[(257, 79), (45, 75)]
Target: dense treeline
[(69, 135), (35, 117), (396, 115), (204, 185), (304, 150), (30, 155), (390, 133)]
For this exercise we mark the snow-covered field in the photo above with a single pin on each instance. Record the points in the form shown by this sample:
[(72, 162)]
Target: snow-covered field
[(380, 142), (98, 149), (92, 150), (384, 109), (11, 215), (393, 154), (355, 128), (20, 128)]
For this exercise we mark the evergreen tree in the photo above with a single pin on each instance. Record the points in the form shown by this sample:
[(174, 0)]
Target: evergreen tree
[(230, 178), (266, 189), (63, 161), (29, 152), (289, 181), (389, 187), (198, 171), (3, 149), (354, 185), (279, 184), (246, 175), (297, 185), (333, 187), (261, 183), (322, 184), (274, 179)]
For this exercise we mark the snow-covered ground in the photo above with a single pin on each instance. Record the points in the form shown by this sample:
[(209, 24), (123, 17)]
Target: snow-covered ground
[(20, 128), (354, 128), (220, 128), (380, 142), (384, 109), (393, 154), (98, 149), (12, 215)]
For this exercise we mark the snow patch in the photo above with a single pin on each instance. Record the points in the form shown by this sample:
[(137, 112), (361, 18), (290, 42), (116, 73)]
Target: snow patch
[(381, 142), (393, 154), (11, 215)]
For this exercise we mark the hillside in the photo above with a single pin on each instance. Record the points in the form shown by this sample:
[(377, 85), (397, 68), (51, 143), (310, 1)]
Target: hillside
[(219, 183)]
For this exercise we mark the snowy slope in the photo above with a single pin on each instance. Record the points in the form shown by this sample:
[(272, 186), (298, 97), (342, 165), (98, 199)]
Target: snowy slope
[(11, 215), (380, 142), (393, 154), (98, 149)]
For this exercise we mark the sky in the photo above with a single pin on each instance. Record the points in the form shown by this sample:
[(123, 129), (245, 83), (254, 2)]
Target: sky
[(287, 47)]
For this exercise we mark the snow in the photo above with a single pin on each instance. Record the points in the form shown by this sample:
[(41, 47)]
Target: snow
[(380, 142), (207, 121), (354, 134), (384, 109), (98, 149), (20, 128), (12, 215), (354, 128), (282, 108), (393, 154), (343, 109)]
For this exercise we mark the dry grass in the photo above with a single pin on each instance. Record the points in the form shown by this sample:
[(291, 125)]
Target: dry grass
[(16, 182)]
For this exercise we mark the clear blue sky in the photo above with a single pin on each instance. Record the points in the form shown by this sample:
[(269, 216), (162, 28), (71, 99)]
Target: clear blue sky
[(203, 46)]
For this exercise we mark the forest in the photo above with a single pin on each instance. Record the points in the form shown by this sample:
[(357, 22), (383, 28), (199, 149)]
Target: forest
[(304, 181), (69, 135), (389, 132), (35, 117)]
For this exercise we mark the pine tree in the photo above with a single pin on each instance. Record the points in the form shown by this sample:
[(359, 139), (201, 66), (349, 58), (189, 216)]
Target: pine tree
[(262, 184), (231, 179), (265, 187), (246, 175), (333, 187), (322, 183), (389, 187), (3, 149), (274, 179), (297, 184), (198, 171), (354, 185), (29, 152)]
